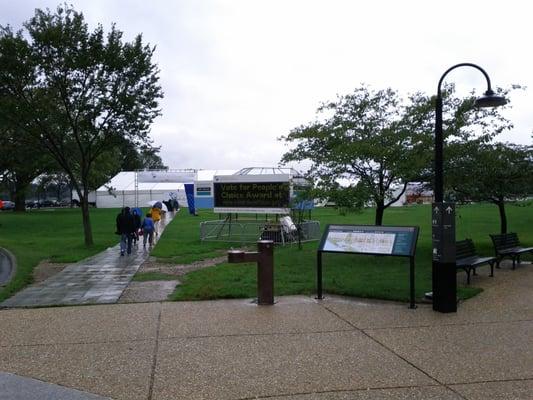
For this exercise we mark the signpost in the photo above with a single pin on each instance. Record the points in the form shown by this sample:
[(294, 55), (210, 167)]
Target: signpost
[(399, 241), (443, 253)]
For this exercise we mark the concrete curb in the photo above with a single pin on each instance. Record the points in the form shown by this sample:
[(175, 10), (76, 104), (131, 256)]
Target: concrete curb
[(8, 266), (17, 387)]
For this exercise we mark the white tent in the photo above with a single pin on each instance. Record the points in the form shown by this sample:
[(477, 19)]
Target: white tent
[(203, 186), (120, 192)]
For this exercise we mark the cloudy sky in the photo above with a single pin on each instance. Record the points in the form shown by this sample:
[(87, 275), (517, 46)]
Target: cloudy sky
[(237, 74)]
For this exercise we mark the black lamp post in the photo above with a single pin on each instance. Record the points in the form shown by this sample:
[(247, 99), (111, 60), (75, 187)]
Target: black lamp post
[(443, 214)]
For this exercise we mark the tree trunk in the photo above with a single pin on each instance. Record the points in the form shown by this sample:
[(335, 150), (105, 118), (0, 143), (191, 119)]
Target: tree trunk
[(19, 196), (71, 189), (20, 201), (503, 216), (380, 209), (87, 230), (59, 189)]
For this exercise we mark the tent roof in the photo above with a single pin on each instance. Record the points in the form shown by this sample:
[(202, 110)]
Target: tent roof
[(125, 180), (208, 174), (268, 171)]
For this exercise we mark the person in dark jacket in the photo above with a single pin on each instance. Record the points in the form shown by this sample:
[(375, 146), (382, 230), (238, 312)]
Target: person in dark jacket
[(126, 229), (137, 223), (148, 230)]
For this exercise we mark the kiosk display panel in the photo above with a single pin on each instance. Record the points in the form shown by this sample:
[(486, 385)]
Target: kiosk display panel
[(364, 239), (251, 194), (397, 241)]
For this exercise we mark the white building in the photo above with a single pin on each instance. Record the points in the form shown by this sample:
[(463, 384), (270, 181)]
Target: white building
[(203, 186), (130, 188)]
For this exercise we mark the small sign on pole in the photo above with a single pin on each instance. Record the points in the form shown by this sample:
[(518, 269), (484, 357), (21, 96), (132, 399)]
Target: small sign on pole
[(444, 282), (443, 232)]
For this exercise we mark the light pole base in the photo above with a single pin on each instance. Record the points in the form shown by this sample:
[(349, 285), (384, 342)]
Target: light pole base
[(444, 287)]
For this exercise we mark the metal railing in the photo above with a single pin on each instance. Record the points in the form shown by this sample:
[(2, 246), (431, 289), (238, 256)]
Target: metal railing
[(250, 231)]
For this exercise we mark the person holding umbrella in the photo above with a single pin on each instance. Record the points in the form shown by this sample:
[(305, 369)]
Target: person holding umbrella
[(156, 216)]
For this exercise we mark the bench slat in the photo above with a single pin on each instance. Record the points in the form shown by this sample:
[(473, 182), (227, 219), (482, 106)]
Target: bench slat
[(466, 258), (464, 248), (475, 261), (508, 245), (505, 240)]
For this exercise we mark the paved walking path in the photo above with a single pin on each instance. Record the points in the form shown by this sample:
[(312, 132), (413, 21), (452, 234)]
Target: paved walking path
[(298, 349), (96, 280), (13, 387)]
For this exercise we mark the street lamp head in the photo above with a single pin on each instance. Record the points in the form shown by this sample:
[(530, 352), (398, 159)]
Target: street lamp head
[(490, 99)]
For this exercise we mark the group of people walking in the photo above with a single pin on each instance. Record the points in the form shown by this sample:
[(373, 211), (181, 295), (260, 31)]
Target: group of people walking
[(130, 227)]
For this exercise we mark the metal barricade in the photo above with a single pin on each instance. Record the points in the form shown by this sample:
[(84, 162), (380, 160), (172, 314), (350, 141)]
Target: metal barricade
[(250, 231)]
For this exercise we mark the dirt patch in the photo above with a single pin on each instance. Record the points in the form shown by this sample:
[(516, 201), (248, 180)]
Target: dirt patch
[(151, 265), (46, 269), (152, 291), (145, 292)]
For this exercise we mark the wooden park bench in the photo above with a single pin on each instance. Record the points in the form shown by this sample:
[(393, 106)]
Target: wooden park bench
[(508, 245), (467, 259)]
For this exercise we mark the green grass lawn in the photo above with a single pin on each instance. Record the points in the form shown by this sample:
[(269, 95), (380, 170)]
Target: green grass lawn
[(57, 235), (180, 243), (353, 275)]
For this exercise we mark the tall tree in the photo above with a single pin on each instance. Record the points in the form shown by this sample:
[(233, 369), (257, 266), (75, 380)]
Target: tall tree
[(20, 162), (492, 172), (140, 157), (56, 183), (381, 142), (80, 93), (362, 138)]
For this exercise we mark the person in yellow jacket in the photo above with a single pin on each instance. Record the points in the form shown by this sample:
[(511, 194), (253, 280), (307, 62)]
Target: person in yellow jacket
[(156, 216)]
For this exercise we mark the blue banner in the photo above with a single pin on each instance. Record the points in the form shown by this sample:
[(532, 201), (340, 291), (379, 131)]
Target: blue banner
[(189, 192)]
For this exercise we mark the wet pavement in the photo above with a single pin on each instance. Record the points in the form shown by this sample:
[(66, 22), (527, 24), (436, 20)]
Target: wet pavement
[(13, 387), (100, 279), (149, 291), (300, 348)]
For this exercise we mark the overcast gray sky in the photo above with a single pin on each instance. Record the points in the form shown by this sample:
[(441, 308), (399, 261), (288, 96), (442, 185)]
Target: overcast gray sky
[(237, 74)]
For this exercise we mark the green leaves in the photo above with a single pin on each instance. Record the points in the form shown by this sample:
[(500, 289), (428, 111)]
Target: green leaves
[(370, 137), (491, 172), (380, 140), (80, 94)]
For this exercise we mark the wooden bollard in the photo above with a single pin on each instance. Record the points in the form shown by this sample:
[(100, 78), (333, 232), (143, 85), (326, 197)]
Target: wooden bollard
[(264, 256)]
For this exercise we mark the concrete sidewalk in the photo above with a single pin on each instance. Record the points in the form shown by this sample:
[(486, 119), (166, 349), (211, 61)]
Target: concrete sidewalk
[(300, 348)]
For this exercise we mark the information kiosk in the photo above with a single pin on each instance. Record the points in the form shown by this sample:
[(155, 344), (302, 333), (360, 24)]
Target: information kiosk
[(398, 241)]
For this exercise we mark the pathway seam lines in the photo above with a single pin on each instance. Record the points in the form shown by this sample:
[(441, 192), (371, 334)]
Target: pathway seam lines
[(340, 391), (156, 350), (395, 353)]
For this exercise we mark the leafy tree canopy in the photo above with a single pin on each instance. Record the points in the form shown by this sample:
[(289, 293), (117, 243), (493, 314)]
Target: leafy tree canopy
[(493, 172), (80, 93), (380, 141), (21, 161)]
